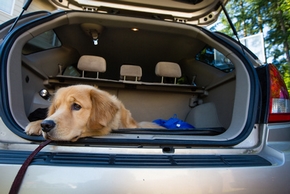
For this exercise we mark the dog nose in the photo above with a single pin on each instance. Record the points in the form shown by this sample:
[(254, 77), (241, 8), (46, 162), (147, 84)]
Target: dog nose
[(47, 125)]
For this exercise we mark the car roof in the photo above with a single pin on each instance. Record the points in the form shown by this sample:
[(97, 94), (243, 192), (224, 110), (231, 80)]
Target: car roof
[(198, 12)]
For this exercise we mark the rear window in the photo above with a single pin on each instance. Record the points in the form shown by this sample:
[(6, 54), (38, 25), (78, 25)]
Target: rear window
[(44, 41), (213, 57)]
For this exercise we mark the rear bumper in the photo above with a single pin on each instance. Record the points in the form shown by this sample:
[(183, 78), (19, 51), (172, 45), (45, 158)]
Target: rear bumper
[(91, 173)]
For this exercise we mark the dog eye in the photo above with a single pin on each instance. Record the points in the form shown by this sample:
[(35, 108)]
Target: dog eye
[(76, 106)]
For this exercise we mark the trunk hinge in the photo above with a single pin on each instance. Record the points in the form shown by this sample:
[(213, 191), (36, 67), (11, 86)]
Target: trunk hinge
[(233, 27), (26, 5)]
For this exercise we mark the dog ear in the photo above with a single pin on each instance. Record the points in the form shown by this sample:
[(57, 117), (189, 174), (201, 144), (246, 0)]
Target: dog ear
[(51, 110), (103, 109), (52, 107)]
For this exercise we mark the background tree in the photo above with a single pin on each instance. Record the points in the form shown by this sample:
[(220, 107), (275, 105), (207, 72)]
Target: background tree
[(272, 18)]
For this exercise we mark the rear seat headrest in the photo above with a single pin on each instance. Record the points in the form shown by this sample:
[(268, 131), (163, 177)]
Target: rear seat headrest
[(92, 63), (168, 69), (131, 71)]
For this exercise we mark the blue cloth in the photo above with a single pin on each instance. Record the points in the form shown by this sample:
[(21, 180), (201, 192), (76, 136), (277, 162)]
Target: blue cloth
[(173, 123)]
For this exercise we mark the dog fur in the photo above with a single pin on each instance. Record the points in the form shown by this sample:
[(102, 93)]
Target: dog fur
[(83, 111)]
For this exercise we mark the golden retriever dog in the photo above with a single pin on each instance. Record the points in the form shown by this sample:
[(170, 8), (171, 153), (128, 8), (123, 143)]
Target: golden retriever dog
[(83, 111)]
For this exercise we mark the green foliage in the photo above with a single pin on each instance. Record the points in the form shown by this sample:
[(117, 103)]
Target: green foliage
[(272, 18), (285, 71)]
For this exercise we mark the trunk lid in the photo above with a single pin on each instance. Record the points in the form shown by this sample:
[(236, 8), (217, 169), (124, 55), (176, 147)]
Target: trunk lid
[(198, 12)]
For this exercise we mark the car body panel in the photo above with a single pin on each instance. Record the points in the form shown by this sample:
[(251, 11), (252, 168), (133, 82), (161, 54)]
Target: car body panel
[(170, 179), (127, 178)]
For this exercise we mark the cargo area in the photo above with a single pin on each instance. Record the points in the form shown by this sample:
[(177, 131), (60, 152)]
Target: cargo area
[(204, 94)]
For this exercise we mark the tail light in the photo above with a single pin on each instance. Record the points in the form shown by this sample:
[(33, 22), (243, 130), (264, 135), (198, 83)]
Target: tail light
[(279, 97)]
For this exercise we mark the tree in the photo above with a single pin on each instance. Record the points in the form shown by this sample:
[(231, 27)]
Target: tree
[(278, 36), (239, 13), (272, 18)]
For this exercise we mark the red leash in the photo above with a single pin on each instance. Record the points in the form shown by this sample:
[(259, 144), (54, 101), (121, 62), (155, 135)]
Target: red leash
[(19, 177)]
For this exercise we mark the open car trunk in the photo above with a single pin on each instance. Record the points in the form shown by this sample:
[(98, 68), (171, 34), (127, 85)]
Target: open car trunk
[(215, 93)]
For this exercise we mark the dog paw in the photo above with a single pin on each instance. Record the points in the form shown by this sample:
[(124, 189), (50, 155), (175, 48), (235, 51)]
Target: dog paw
[(33, 128)]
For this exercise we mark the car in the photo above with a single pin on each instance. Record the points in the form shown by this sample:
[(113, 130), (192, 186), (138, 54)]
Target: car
[(238, 107)]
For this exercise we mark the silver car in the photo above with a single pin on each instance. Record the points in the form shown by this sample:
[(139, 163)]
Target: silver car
[(237, 108)]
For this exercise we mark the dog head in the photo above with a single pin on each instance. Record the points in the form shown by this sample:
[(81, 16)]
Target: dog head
[(79, 111)]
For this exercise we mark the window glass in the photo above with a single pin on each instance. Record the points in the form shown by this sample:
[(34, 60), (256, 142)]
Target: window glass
[(7, 6), (44, 41), (214, 58)]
